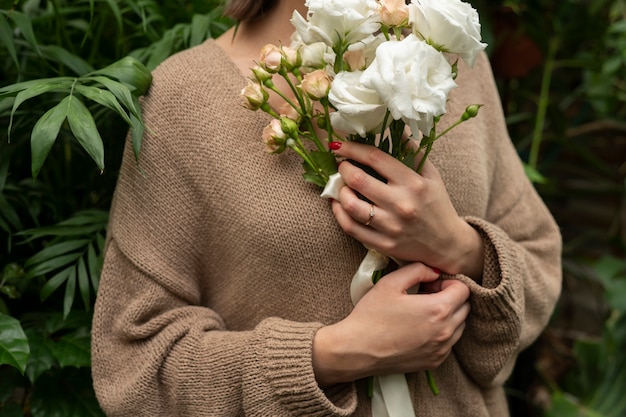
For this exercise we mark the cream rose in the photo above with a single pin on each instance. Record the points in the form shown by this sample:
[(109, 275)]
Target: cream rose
[(449, 25), (359, 109), (412, 79)]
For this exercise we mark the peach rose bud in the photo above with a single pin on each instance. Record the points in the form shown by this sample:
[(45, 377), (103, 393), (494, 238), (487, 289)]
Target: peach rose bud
[(271, 58), (316, 84), (255, 96), (394, 13)]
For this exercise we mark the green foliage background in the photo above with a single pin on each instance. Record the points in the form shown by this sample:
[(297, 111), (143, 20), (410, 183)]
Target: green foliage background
[(70, 75)]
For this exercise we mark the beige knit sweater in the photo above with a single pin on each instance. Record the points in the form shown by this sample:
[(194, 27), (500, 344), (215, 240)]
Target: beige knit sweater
[(222, 262)]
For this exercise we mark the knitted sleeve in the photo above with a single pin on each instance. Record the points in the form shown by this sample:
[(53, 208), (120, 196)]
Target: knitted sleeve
[(158, 349), (522, 268)]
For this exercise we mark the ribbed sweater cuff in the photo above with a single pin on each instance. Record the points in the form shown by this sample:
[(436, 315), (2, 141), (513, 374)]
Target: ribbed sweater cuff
[(498, 299), (287, 364)]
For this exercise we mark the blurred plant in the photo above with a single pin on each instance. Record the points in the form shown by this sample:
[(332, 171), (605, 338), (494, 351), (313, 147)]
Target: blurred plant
[(76, 70), (597, 385), (561, 68)]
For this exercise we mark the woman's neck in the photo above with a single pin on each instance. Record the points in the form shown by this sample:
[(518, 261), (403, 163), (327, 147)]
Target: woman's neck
[(243, 43)]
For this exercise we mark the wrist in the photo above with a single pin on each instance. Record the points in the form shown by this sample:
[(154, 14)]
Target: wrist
[(333, 361)]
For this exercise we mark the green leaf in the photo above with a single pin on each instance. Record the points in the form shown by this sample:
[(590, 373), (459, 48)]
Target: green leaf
[(6, 39), (45, 134), (55, 250), (52, 265), (116, 13), (129, 71), (8, 212), (83, 282), (74, 350), (137, 131), (33, 91), (12, 89), (14, 349), (160, 50), (562, 407), (84, 129), (314, 179), (119, 90), (103, 97), (326, 161), (70, 290), (42, 355), (87, 218), (23, 23), (62, 56), (94, 264), (55, 282), (534, 175), (60, 231), (200, 27)]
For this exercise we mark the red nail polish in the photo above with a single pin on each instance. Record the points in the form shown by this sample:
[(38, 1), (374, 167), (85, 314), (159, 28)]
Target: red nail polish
[(334, 145), (437, 271)]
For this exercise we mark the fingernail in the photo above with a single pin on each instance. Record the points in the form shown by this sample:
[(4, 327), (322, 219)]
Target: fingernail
[(436, 271), (331, 200), (334, 145)]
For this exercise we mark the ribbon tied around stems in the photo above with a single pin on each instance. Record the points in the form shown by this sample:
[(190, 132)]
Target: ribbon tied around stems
[(391, 396)]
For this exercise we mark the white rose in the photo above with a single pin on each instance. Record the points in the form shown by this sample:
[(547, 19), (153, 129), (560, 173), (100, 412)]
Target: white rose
[(337, 22), (450, 25), (359, 109), (412, 79)]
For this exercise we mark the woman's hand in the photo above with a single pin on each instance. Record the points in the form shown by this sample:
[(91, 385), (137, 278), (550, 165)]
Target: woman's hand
[(413, 217), (391, 331)]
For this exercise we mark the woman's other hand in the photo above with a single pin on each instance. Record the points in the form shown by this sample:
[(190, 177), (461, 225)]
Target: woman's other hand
[(392, 331)]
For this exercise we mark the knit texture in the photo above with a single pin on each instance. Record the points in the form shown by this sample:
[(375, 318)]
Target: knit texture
[(222, 263)]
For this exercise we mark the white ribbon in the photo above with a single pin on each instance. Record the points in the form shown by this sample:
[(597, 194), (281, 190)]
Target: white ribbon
[(391, 396)]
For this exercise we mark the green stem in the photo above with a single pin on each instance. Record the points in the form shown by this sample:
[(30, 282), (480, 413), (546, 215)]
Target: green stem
[(300, 150), (458, 122), (272, 87), (431, 383), (544, 101), (427, 150)]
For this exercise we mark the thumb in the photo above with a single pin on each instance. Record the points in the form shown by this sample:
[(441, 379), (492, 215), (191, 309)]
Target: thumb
[(408, 276)]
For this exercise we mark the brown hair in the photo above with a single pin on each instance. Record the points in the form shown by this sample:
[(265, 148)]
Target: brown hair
[(242, 10)]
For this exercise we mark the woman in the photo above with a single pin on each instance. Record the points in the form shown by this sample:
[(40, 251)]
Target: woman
[(225, 289)]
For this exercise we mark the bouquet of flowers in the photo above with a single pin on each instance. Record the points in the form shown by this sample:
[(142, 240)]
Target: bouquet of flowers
[(374, 71)]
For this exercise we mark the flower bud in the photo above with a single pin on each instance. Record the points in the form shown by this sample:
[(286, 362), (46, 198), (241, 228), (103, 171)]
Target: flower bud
[(260, 74), (290, 127), (290, 58), (322, 121), (255, 96), (271, 58), (287, 110), (274, 137), (471, 111), (316, 84), (393, 13)]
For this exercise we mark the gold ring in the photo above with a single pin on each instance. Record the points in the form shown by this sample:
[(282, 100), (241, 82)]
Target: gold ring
[(371, 215)]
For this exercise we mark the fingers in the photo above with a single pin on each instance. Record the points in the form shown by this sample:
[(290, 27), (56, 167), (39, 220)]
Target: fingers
[(361, 212), (408, 276), (383, 163)]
